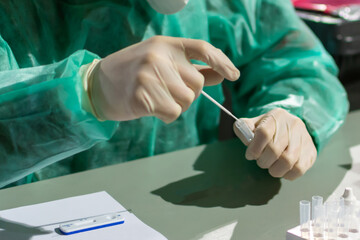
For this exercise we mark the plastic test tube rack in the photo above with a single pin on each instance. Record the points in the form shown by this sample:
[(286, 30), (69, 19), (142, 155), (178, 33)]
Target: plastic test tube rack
[(333, 220)]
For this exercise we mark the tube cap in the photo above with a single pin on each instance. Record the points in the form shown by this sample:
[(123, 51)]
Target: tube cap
[(349, 196)]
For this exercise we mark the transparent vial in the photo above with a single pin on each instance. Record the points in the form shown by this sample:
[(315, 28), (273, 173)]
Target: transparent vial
[(305, 219)]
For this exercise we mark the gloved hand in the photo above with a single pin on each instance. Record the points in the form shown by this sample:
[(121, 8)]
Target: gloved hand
[(281, 144), (156, 78)]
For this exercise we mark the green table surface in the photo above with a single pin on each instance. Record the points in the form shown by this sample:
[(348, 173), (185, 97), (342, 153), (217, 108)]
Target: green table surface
[(189, 193)]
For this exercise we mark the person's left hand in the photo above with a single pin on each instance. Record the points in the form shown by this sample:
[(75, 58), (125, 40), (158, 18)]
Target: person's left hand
[(281, 144)]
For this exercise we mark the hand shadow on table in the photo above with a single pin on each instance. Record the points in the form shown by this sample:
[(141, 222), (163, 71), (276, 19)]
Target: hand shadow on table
[(18, 231), (227, 180)]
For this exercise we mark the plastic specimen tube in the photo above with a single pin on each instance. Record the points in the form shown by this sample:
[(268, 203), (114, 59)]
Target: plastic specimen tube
[(304, 216), (331, 208), (319, 221), (315, 201), (341, 202), (343, 226), (245, 130), (354, 223)]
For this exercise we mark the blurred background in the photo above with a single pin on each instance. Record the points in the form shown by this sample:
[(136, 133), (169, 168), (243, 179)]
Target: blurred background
[(337, 25)]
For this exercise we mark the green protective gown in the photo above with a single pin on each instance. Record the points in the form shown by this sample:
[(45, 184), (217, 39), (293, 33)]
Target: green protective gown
[(44, 132)]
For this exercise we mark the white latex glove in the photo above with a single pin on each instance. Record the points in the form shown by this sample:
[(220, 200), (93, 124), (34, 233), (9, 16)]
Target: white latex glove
[(281, 144), (156, 78)]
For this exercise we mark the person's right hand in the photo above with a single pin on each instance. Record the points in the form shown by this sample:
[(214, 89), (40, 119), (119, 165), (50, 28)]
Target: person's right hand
[(156, 78)]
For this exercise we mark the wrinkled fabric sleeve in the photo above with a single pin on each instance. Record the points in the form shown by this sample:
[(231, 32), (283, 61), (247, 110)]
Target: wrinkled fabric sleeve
[(41, 116), (284, 65)]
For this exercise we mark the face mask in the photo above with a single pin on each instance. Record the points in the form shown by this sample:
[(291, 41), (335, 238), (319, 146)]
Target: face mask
[(168, 6)]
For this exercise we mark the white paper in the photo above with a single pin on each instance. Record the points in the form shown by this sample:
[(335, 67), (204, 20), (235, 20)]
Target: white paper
[(41, 221), (352, 176), (295, 234), (223, 233)]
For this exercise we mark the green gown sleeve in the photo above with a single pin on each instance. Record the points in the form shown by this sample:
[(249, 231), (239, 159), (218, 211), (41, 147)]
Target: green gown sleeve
[(41, 118), (282, 64)]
